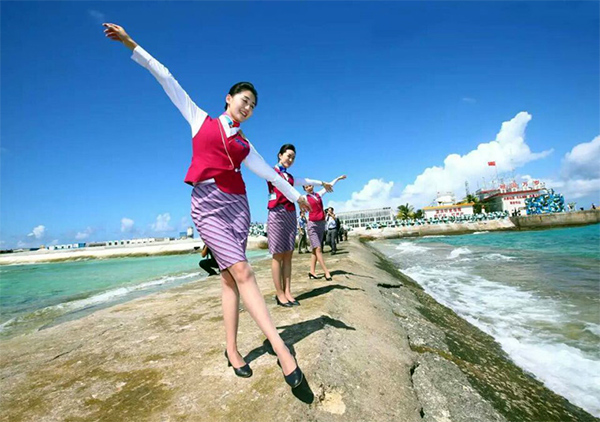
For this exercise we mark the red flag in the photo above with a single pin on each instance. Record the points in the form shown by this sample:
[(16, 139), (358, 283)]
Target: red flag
[(491, 163)]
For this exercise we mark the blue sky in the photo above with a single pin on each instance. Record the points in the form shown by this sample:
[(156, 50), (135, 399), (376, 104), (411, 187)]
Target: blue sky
[(406, 98)]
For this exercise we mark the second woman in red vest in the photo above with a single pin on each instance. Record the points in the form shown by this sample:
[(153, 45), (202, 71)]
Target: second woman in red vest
[(282, 226)]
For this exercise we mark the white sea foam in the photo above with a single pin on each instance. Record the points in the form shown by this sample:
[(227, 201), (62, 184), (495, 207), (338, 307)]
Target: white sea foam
[(95, 300), (593, 328), (509, 314), (458, 252), (562, 368), (483, 232), (113, 294), (410, 248), (434, 235), (487, 257)]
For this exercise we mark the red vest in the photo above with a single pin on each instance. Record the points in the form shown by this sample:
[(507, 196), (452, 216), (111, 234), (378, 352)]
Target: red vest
[(278, 198), (316, 207), (210, 160)]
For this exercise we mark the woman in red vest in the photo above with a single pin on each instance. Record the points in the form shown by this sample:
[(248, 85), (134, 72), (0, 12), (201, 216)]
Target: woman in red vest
[(282, 226), (219, 204), (316, 227)]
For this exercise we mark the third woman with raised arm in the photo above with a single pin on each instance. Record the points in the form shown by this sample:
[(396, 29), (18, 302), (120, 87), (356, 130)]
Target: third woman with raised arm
[(316, 227), (219, 204)]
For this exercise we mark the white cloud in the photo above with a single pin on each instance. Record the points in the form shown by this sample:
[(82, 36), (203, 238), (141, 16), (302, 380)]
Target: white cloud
[(508, 150), (99, 17), (580, 172), (162, 223), (37, 232), (127, 225), (375, 194), (583, 160), (184, 223), (84, 234)]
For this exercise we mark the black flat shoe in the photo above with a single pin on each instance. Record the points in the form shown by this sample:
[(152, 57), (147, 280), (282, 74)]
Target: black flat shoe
[(295, 378), (311, 276), (284, 304), (328, 278), (243, 372)]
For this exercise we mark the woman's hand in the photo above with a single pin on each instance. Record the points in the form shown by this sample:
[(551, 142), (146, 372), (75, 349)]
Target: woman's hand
[(328, 186), (303, 203), (117, 33), (342, 177)]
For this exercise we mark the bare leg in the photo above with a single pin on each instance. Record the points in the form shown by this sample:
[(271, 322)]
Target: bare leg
[(319, 257), (313, 261), (255, 304), (231, 315), (287, 275), (276, 272)]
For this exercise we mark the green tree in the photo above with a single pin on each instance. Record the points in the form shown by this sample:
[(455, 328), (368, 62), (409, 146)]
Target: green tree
[(418, 214), (405, 212), (475, 200)]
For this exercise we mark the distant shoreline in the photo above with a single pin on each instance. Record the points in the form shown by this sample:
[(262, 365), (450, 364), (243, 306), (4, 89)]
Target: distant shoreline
[(529, 222), (178, 247)]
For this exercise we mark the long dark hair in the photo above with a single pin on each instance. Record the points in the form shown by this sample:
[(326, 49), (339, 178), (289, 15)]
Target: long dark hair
[(284, 148), (241, 87)]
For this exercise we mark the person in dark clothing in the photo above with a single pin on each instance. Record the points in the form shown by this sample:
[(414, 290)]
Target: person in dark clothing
[(208, 262), (332, 231), (340, 230)]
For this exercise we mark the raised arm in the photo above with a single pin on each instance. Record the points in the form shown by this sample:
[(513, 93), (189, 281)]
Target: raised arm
[(191, 112), (332, 183), (257, 164), (302, 181)]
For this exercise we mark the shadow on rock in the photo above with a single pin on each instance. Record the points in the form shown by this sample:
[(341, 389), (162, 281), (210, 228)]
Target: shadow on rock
[(292, 334), (324, 290), (303, 392), (340, 272)]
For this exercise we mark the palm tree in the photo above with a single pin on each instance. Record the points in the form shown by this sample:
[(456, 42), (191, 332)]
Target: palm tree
[(405, 212), (475, 200), (418, 214)]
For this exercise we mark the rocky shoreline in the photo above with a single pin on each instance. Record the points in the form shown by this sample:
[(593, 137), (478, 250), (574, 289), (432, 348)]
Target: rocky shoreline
[(373, 345)]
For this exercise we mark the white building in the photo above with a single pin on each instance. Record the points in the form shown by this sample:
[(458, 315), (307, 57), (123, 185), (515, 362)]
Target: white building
[(362, 218), (449, 210), (446, 206), (511, 197)]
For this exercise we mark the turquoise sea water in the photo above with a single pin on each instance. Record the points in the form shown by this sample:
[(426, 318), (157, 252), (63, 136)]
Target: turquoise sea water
[(536, 292), (35, 296)]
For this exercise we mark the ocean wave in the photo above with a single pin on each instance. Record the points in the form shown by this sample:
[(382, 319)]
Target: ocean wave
[(39, 317), (409, 248), (458, 252), (482, 232), (592, 328), (511, 315), (562, 368)]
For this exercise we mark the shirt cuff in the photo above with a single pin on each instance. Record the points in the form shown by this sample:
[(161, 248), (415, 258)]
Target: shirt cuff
[(140, 56)]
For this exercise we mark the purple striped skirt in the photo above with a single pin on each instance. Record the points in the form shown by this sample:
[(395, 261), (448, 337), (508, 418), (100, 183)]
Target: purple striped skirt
[(222, 220), (315, 231), (281, 230)]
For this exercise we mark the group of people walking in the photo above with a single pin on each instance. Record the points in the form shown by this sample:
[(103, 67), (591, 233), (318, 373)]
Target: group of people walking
[(221, 214)]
